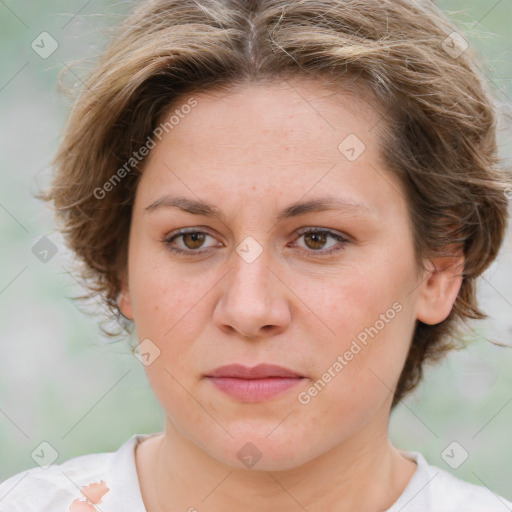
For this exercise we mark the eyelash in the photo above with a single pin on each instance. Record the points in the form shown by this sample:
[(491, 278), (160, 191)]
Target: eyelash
[(304, 231)]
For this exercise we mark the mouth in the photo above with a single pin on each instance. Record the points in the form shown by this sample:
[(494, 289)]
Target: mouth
[(257, 384)]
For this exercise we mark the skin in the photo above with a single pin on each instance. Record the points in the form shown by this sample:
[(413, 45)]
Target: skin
[(252, 153)]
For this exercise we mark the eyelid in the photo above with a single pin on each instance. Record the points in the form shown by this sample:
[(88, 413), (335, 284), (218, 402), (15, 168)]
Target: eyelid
[(183, 231), (329, 231), (342, 238)]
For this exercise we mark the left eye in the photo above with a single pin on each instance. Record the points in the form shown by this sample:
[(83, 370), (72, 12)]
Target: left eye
[(315, 240)]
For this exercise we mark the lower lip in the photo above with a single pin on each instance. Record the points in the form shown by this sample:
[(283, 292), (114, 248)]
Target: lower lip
[(255, 390)]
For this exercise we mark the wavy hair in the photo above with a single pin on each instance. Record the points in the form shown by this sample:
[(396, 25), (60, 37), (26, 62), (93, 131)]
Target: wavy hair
[(403, 55)]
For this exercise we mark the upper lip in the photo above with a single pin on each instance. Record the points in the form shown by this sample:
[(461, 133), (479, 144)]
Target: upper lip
[(260, 371)]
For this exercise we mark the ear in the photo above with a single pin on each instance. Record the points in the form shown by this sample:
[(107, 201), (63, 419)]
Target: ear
[(439, 288), (124, 301)]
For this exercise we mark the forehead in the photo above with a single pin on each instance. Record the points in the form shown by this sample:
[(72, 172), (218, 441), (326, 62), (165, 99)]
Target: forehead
[(292, 108), (286, 138)]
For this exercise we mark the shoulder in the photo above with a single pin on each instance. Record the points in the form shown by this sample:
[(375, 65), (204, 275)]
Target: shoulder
[(433, 489), (55, 487), (92, 478), (452, 493)]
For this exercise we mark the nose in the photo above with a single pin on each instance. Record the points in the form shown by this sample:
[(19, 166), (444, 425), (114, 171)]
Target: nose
[(254, 300)]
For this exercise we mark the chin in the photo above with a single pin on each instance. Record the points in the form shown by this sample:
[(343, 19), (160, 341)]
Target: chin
[(256, 450), (252, 458)]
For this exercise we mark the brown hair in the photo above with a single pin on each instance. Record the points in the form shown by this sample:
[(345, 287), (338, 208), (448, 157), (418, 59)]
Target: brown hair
[(440, 125)]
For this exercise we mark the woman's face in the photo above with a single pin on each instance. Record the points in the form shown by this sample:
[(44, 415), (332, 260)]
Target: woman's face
[(336, 305)]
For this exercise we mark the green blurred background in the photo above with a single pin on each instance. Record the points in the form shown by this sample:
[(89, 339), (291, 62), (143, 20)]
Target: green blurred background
[(61, 382)]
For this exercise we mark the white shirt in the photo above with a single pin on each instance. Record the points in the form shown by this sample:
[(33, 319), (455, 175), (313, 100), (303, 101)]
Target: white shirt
[(55, 488)]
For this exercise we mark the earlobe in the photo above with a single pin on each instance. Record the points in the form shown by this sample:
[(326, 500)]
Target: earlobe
[(123, 299), (439, 289)]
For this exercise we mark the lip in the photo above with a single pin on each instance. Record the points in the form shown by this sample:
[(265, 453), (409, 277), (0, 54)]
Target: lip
[(257, 384), (261, 371)]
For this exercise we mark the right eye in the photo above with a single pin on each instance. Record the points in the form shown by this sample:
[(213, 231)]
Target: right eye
[(191, 240)]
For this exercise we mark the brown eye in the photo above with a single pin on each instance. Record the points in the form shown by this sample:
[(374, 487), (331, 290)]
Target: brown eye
[(191, 241), (316, 239)]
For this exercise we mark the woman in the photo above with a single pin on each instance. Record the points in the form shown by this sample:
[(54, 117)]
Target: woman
[(290, 201)]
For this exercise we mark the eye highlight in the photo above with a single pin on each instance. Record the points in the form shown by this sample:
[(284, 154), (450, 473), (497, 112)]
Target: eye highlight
[(315, 238)]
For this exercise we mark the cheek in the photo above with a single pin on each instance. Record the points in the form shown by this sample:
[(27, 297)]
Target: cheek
[(372, 316), (359, 377), (164, 298), (171, 308), (354, 299)]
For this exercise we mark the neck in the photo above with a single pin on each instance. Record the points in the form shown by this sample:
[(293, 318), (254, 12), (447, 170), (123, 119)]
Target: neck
[(362, 473)]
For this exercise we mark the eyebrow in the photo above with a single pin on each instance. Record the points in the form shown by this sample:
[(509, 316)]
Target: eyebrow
[(199, 207)]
